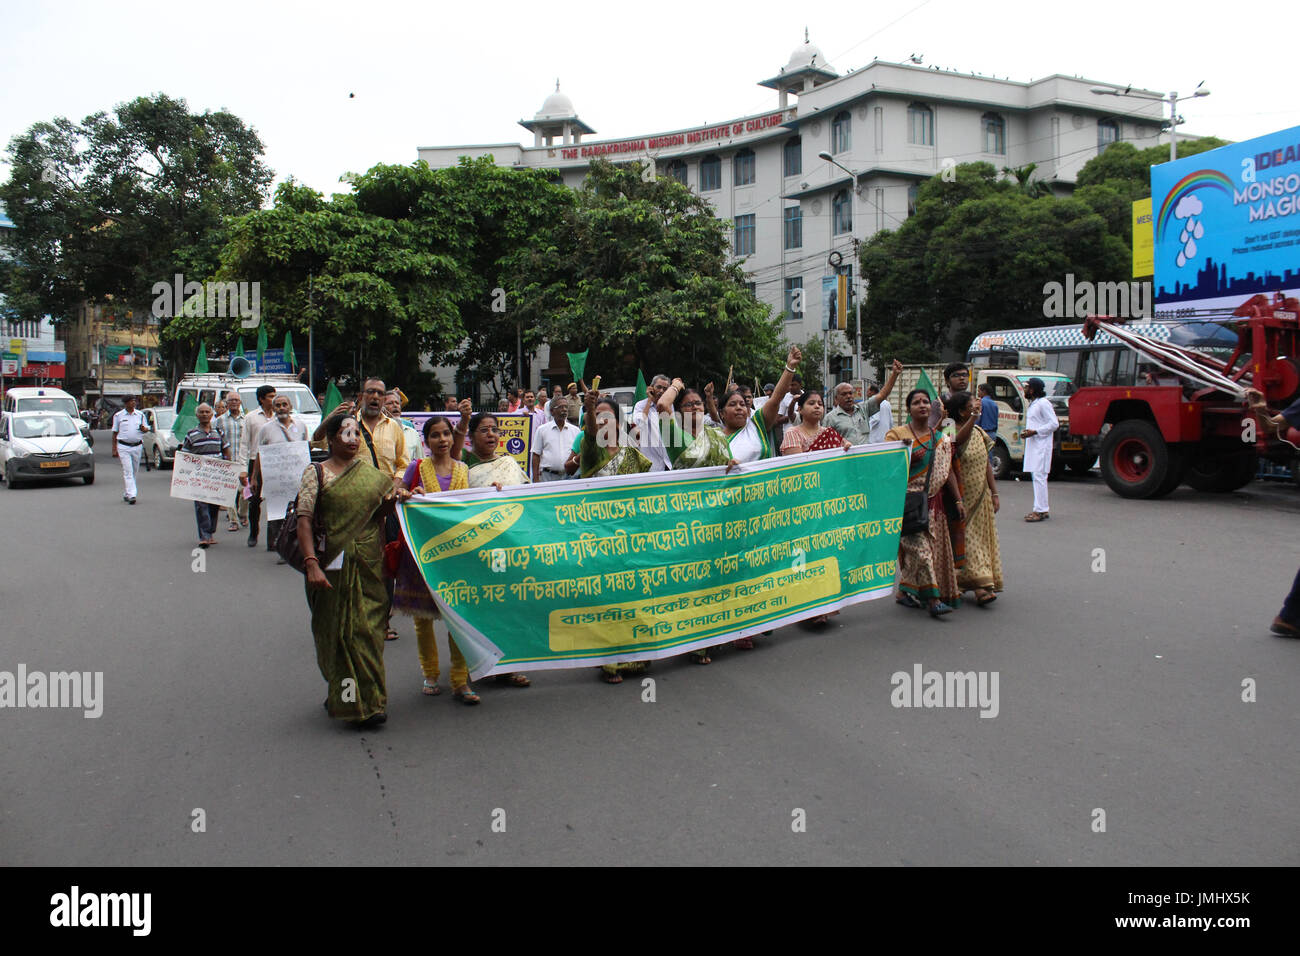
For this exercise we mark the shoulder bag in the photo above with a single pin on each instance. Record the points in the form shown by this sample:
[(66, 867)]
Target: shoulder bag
[(916, 504), (287, 542)]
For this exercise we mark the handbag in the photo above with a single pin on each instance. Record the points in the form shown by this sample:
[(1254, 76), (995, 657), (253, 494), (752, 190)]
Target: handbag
[(286, 542), (916, 507), (393, 557)]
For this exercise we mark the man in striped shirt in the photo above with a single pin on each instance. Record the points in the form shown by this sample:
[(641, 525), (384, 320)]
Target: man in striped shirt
[(232, 425), (206, 439)]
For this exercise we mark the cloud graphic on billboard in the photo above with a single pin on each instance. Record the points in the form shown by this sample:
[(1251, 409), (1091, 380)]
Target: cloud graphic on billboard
[(1188, 207)]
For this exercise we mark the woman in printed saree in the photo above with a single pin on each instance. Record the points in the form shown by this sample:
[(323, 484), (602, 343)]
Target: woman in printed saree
[(982, 572), (926, 573), (748, 431), (500, 471), (605, 452), (345, 583), (438, 472), (689, 443), (809, 435)]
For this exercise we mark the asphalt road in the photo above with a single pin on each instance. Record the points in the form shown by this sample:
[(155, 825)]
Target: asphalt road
[(1118, 690)]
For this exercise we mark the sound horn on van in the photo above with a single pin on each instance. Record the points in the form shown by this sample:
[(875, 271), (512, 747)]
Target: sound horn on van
[(241, 367)]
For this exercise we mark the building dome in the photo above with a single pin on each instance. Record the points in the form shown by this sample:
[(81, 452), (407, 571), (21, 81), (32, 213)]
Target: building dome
[(807, 56), (557, 106)]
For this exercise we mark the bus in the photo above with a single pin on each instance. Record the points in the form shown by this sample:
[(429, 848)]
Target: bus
[(1102, 361)]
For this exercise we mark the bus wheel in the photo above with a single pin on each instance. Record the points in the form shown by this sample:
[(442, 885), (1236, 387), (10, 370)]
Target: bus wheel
[(1222, 473), (1001, 461), (1135, 460)]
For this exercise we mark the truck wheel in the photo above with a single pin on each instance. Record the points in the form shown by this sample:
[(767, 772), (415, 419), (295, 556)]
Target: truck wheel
[(1001, 460), (1178, 459), (1135, 460), (1222, 473)]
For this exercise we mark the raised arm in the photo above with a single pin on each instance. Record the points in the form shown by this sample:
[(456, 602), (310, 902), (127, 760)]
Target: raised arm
[(665, 403), (772, 407), (466, 409), (589, 416), (711, 403), (894, 371)]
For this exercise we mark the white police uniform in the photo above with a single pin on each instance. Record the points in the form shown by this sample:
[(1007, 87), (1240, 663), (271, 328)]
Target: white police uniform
[(129, 428)]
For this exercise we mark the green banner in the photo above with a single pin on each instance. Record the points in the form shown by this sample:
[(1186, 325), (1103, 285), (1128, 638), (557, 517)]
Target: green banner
[(579, 573)]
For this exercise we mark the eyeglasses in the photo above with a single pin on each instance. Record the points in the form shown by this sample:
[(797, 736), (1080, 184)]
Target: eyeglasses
[(374, 391)]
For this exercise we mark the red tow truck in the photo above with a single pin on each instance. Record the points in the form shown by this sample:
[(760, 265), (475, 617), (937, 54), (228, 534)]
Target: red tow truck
[(1154, 437)]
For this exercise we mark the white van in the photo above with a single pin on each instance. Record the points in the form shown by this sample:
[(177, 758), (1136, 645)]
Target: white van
[(46, 399), (213, 386)]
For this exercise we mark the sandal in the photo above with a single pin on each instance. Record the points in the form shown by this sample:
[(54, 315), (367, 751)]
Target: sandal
[(232, 527), (701, 657), (988, 598), (466, 695), (907, 600), (430, 688), (391, 635), (1037, 516), (940, 609), (243, 522), (514, 680), (743, 643), (609, 673)]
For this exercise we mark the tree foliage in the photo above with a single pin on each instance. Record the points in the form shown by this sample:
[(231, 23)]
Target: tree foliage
[(640, 272), (105, 208)]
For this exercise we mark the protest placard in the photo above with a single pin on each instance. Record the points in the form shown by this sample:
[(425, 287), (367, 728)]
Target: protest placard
[(205, 478), (282, 468)]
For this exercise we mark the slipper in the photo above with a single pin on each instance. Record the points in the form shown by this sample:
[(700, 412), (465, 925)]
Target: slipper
[(430, 688), (232, 527), (701, 657), (1037, 516), (514, 680), (391, 635), (743, 643), (940, 609), (466, 696), (908, 601), (1283, 629), (986, 601), (610, 675)]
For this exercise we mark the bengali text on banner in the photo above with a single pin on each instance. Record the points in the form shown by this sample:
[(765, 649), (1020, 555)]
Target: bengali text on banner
[(639, 567)]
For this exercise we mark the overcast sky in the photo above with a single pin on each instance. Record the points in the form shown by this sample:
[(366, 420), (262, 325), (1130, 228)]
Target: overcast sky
[(431, 74)]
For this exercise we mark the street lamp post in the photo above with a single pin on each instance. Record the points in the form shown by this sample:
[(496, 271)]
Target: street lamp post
[(1172, 99), (857, 260)]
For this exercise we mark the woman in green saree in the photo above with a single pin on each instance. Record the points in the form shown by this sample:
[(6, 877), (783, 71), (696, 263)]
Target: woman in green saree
[(604, 452), (345, 583)]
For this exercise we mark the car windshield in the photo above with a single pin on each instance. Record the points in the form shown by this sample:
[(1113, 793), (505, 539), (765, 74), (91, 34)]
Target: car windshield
[(47, 403), (44, 426), (304, 403), (165, 417)]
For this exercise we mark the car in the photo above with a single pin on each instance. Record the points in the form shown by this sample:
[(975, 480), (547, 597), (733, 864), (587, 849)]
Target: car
[(46, 399), (160, 444), (37, 445)]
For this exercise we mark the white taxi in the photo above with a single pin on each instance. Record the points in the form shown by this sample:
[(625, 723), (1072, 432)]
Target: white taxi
[(43, 445)]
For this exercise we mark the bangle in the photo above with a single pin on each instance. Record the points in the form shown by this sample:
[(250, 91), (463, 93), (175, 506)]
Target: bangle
[(311, 557), (791, 370)]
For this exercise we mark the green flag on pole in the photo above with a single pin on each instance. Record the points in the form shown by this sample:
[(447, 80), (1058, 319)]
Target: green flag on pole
[(288, 352), (640, 386), (578, 364), (261, 344), (333, 398), (924, 383), (187, 418), (201, 363)]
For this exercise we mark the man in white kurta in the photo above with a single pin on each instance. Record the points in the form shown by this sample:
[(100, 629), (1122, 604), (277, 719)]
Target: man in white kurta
[(1040, 423)]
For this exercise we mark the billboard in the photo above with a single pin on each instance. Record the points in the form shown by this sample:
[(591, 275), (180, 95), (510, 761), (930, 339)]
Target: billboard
[(1227, 225), (1143, 239)]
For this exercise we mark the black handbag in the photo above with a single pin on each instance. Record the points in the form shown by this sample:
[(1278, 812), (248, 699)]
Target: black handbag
[(916, 508), (287, 541)]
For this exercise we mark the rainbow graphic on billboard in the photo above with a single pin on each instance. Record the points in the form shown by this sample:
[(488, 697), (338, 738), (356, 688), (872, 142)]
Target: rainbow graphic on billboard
[(1200, 179)]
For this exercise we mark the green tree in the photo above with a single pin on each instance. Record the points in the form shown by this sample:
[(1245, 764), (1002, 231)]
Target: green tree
[(641, 273), (105, 208)]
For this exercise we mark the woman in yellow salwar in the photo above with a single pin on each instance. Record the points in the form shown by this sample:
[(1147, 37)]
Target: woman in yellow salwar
[(927, 576), (982, 572), (440, 471), (345, 584), (486, 468), (604, 451)]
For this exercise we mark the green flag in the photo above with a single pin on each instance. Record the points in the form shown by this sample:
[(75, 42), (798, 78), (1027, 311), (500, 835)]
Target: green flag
[(288, 352), (333, 398), (261, 344), (201, 363), (640, 386), (186, 419), (578, 364), (924, 383), (238, 350)]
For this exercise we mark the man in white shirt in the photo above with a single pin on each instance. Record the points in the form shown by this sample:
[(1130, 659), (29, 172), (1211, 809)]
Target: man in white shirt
[(882, 421), (283, 428), (645, 419), (253, 422), (553, 442), (128, 439), (535, 411), (1040, 423)]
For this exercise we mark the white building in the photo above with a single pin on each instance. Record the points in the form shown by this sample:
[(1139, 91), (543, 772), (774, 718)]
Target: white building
[(892, 124)]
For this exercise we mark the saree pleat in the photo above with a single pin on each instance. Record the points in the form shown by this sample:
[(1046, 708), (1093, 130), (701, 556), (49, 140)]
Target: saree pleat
[(349, 619)]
